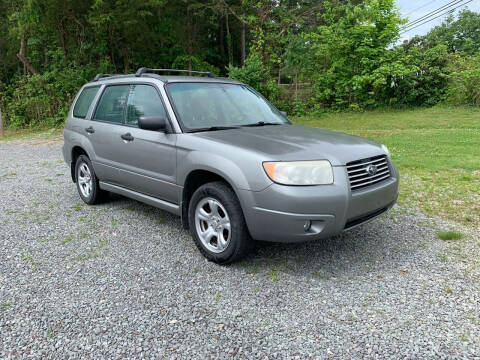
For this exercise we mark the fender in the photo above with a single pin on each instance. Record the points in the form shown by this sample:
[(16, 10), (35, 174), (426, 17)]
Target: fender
[(224, 167), (74, 139)]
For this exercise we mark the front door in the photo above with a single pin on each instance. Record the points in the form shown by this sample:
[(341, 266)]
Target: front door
[(147, 158)]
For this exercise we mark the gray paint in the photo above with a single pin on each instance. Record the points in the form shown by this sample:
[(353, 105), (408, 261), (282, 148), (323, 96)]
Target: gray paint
[(153, 168)]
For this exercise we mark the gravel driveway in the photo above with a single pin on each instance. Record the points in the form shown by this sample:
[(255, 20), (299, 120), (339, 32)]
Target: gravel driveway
[(124, 280)]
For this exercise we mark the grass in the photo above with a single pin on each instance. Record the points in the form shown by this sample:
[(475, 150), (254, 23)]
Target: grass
[(14, 134), (67, 240), (29, 259), (449, 235), (436, 151), (6, 304)]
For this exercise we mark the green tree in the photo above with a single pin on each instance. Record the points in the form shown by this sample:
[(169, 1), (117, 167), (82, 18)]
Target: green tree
[(461, 34), (348, 48)]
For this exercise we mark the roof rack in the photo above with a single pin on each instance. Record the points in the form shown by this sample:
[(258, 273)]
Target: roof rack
[(101, 76), (144, 70)]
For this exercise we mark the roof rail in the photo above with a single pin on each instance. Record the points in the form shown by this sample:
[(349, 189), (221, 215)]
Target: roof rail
[(101, 76), (144, 70)]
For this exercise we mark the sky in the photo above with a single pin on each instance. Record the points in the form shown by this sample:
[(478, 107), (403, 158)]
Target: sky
[(414, 9)]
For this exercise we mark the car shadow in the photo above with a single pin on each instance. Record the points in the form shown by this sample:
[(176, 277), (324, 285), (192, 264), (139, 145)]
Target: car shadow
[(374, 248), (370, 248)]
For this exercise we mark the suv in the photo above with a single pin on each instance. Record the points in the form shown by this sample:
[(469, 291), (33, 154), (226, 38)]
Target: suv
[(218, 154)]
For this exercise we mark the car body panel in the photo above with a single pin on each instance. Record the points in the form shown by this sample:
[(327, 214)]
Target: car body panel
[(279, 212), (295, 142), (148, 163)]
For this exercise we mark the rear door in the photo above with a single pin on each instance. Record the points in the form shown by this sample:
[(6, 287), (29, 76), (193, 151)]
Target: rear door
[(147, 159), (105, 129)]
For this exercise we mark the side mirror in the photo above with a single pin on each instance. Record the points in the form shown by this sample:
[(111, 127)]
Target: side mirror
[(154, 123), (284, 113)]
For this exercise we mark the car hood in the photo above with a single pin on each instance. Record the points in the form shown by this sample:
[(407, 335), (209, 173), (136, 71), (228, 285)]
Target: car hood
[(296, 142)]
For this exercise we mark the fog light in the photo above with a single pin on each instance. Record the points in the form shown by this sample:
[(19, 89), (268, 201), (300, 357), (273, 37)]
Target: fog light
[(307, 225)]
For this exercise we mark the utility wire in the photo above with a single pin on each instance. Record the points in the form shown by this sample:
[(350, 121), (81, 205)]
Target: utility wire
[(432, 13), (420, 7), (445, 13)]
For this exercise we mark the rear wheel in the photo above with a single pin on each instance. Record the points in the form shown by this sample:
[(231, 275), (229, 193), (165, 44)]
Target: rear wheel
[(217, 224), (87, 182)]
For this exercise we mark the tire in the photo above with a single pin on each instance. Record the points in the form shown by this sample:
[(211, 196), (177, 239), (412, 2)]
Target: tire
[(87, 182), (219, 231)]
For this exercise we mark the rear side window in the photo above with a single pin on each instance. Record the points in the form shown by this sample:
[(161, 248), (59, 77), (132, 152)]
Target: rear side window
[(84, 100), (111, 104)]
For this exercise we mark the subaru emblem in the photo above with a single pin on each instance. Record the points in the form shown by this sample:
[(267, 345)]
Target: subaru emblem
[(371, 169)]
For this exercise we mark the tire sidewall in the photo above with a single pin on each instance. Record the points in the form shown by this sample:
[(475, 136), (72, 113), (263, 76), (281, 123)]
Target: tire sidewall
[(82, 159), (231, 205)]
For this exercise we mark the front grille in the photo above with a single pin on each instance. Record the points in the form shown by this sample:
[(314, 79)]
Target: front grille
[(359, 176)]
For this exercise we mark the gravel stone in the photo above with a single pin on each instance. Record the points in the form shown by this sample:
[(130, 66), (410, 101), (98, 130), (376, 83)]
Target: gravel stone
[(123, 280)]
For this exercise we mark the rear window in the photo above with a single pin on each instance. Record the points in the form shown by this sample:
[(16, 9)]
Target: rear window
[(84, 100), (111, 106)]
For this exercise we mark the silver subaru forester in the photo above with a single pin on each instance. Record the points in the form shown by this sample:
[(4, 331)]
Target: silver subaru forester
[(218, 154)]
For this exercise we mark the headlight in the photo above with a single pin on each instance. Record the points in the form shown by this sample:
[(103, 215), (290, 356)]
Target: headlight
[(317, 172), (384, 148)]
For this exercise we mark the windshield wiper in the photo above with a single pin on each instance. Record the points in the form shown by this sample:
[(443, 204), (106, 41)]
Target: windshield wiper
[(261, 123), (213, 128)]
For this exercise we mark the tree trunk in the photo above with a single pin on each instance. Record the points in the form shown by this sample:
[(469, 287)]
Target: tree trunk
[(23, 57), (61, 31), (190, 40), (244, 53), (110, 45), (296, 86), (222, 40), (126, 59), (28, 65), (1, 124), (229, 41)]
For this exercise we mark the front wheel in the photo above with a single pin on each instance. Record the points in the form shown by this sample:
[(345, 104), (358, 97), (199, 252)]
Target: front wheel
[(217, 223)]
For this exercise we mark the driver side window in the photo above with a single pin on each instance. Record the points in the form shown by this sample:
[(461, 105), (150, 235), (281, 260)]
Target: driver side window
[(143, 100)]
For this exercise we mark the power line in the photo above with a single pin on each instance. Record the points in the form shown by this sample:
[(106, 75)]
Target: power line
[(447, 12), (432, 13), (420, 7)]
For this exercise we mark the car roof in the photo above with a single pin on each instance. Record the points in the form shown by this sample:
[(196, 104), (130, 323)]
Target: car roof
[(164, 78)]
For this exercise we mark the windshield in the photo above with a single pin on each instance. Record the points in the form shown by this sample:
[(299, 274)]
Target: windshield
[(206, 105)]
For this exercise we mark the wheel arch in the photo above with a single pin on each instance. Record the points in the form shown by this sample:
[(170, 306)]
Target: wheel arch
[(76, 152), (193, 181)]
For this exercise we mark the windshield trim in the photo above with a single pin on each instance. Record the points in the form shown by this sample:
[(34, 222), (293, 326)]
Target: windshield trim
[(186, 129)]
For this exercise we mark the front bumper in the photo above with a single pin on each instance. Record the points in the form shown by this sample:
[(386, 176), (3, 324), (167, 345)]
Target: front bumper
[(279, 212)]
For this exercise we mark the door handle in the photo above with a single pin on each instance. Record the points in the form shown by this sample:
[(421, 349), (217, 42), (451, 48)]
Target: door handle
[(127, 137), (90, 130)]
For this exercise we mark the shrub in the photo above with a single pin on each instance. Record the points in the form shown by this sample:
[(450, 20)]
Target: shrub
[(44, 99), (255, 75), (464, 81), (182, 62)]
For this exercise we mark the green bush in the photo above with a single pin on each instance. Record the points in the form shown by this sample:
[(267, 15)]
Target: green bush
[(44, 99), (255, 75), (182, 62), (411, 76), (464, 81)]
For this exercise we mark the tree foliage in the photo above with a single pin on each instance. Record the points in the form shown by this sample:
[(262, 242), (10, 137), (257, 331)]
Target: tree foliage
[(342, 49)]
